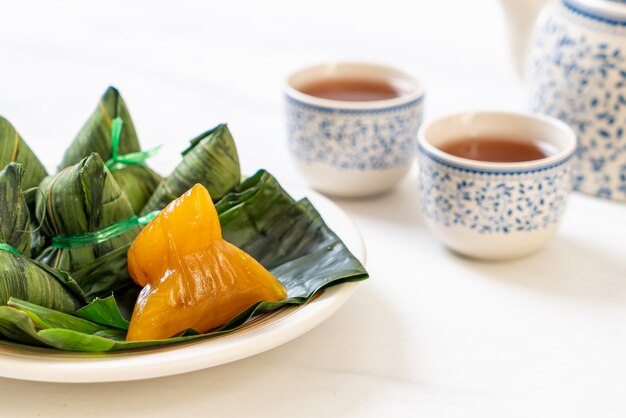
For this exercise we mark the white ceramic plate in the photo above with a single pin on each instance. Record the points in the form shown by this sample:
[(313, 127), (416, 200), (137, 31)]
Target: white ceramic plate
[(258, 335)]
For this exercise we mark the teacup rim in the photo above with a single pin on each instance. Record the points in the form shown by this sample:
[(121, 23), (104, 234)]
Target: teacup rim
[(561, 156), (416, 94)]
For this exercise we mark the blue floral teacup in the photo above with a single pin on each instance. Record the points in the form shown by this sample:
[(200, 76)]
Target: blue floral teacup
[(494, 210), (353, 148)]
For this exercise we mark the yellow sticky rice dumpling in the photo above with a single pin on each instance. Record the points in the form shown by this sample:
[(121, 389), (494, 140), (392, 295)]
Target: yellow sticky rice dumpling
[(191, 276)]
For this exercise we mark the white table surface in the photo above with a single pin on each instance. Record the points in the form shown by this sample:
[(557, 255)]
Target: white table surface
[(430, 334)]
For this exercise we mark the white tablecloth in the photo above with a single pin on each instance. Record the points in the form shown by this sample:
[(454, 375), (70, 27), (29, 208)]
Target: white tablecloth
[(430, 334)]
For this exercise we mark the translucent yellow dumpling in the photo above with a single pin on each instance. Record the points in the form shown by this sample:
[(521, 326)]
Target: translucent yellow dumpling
[(191, 277)]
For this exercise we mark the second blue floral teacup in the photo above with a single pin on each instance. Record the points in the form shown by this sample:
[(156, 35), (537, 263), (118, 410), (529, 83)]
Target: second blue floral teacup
[(352, 127), (495, 210)]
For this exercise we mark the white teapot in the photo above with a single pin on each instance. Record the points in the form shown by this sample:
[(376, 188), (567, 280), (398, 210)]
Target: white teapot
[(575, 65)]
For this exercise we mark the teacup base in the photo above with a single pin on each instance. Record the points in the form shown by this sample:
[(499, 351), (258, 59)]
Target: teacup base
[(351, 183), (497, 247)]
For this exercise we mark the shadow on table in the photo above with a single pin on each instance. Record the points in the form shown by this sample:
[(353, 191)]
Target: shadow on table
[(565, 267)]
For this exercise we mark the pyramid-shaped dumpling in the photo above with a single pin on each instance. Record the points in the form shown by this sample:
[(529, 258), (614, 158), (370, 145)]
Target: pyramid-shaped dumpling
[(191, 277)]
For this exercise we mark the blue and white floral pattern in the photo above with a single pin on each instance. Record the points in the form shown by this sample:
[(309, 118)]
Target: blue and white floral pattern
[(578, 74), (493, 202), (377, 139)]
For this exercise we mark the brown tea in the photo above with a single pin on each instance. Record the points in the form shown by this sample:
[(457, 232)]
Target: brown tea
[(352, 89), (498, 150)]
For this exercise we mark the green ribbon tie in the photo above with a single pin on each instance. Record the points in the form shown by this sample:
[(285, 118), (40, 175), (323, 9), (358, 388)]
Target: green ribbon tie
[(96, 237), (8, 248), (118, 161)]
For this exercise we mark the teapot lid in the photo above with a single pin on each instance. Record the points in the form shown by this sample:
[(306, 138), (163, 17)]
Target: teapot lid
[(609, 11)]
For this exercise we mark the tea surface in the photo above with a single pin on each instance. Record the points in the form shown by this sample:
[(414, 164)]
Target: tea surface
[(498, 150), (352, 89)]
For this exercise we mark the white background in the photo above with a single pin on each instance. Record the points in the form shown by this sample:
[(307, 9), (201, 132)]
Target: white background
[(430, 334)]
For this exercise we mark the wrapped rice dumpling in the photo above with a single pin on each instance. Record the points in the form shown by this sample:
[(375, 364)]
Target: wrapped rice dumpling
[(191, 276), (78, 204), (21, 277), (137, 181), (210, 160), (14, 149)]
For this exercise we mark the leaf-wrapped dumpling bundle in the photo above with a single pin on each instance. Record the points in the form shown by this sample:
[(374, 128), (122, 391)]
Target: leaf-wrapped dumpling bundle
[(137, 181), (84, 199), (21, 277), (211, 160), (14, 149)]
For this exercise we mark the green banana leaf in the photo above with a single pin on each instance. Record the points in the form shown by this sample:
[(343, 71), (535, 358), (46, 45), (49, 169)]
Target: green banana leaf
[(137, 181), (210, 160), (288, 237), (104, 312), (20, 276), (86, 198)]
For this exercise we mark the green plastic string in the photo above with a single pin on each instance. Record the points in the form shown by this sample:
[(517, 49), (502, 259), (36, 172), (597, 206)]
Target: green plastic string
[(118, 161), (8, 248), (96, 237)]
